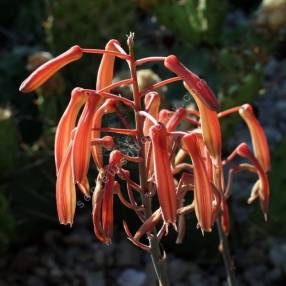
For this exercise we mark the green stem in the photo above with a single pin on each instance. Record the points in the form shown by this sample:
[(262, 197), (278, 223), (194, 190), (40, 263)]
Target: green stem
[(223, 241), (224, 249), (158, 259)]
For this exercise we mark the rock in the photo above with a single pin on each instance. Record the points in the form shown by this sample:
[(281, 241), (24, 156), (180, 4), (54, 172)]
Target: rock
[(99, 255), (196, 279), (40, 271), (151, 278), (35, 281), (278, 255), (254, 273), (96, 278), (127, 254), (131, 277), (178, 269)]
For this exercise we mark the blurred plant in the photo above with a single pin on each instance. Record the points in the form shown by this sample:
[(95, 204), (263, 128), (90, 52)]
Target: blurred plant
[(7, 222), (162, 155), (194, 21), (9, 141), (88, 25)]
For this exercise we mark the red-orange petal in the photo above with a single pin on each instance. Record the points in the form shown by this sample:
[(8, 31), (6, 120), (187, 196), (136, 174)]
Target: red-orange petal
[(65, 191), (203, 195), (67, 124), (97, 199), (104, 78), (210, 126), (264, 192), (105, 70), (176, 119), (82, 140), (96, 150), (152, 105), (259, 141), (198, 86), (48, 69), (163, 175)]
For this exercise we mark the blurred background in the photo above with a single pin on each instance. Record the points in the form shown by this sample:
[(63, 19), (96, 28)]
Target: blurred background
[(239, 47)]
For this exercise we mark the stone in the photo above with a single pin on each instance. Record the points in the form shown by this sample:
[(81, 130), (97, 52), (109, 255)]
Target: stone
[(131, 277), (178, 269), (35, 281), (127, 254), (278, 255), (96, 278), (151, 278)]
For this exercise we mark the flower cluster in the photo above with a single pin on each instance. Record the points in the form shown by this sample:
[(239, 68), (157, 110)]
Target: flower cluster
[(173, 162)]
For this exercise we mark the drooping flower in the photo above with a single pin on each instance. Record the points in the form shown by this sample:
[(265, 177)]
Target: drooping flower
[(67, 123), (152, 105), (65, 189), (203, 195), (103, 198), (198, 86), (104, 79), (259, 141), (263, 187), (81, 148), (48, 69), (163, 175), (107, 107), (210, 125)]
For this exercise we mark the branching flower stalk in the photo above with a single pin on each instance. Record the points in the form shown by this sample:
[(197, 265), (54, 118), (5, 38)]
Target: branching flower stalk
[(172, 162)]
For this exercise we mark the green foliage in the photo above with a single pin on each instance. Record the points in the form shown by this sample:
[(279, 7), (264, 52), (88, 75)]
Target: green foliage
[(88, 24), (9, 142), (194, 21), (278, 186), (7, 223)]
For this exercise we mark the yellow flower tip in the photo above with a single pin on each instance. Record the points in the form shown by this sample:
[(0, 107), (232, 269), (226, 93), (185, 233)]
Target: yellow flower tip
[(48, 69), (195, 83)]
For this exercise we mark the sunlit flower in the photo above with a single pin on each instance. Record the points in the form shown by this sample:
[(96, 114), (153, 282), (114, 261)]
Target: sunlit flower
[(163, 174)]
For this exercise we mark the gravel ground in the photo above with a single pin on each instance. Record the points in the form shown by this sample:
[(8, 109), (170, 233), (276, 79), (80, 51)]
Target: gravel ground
[(78, 259)]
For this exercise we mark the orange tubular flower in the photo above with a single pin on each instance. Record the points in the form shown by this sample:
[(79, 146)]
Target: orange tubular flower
[(259, 141), (103, 199), (65, 190), (45, 71), (203, 195), (104, 78), (210, 126), (263, 190), (175, 119), (152, 105), (164, 116), (106, 107), (67, 124), (198, 86), (163, 175), (82, 141)]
